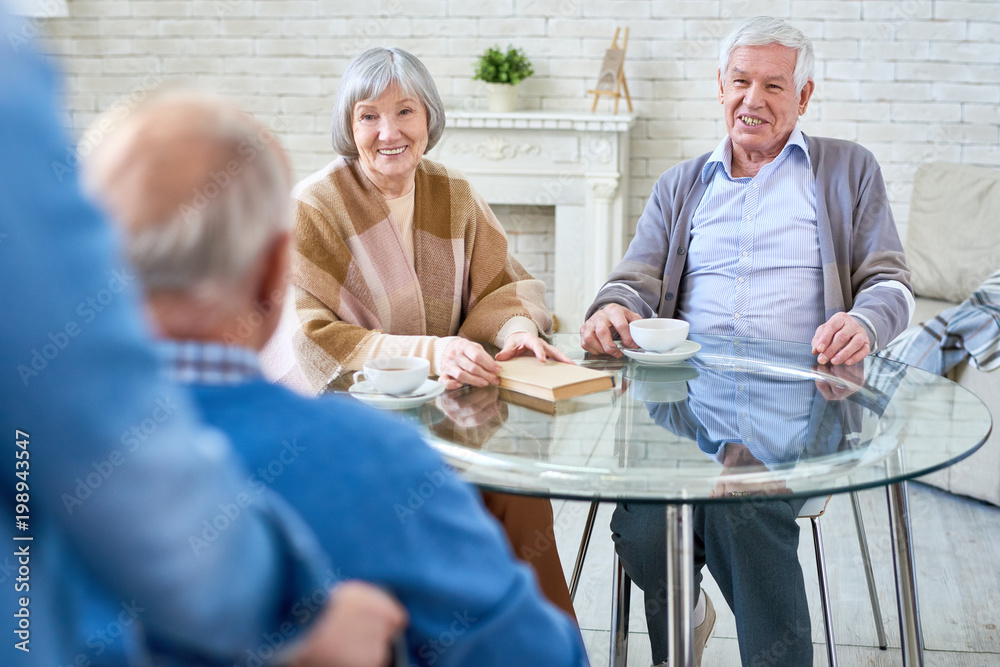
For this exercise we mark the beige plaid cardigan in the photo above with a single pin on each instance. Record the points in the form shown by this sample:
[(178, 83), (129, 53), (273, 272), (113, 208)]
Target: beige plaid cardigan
[(354, 278)]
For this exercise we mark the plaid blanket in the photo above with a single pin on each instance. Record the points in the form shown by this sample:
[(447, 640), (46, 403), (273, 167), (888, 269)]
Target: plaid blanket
[(970, 330), (354, 275)]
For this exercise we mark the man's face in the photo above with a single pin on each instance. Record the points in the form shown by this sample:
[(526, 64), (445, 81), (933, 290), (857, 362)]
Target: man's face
[(759, 99)]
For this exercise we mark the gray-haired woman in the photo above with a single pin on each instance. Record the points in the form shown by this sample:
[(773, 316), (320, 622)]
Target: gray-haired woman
[(397, 255)]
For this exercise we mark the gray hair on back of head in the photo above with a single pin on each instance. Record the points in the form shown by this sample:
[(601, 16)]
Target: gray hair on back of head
[(368, 76), (213, 239), (766, 30)]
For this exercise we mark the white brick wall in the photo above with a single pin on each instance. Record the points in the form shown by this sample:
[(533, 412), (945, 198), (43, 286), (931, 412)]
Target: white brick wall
[(914, 80)]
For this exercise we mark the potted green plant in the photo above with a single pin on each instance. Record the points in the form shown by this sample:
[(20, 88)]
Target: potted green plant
[(502, 74)]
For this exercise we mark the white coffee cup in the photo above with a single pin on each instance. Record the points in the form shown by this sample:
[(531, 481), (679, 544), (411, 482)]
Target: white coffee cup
[(395, 375), (659, 334), (652, 384)]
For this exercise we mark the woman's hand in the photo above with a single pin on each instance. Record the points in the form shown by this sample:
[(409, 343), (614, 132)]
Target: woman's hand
[(466, 362), (472, 409), (519, 343)]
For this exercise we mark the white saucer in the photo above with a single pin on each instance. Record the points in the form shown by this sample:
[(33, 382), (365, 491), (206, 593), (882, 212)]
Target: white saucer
[(685, 350), (365, 392)]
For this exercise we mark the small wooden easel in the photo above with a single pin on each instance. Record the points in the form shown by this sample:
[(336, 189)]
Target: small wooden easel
[(612, 78)]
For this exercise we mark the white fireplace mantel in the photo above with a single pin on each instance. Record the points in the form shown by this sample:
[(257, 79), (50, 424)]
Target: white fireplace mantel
[(576, 162)]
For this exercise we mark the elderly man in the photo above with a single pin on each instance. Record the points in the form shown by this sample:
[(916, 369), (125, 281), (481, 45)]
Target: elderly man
[(775, 235), (94, 510), (202, 193)]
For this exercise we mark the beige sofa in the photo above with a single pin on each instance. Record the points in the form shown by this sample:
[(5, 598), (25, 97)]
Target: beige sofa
[(952, 244)]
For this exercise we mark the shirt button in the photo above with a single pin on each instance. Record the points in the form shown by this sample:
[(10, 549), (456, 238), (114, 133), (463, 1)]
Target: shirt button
[(736, 315), (741, 279), (681, 251), (746, 254), (668, 296)]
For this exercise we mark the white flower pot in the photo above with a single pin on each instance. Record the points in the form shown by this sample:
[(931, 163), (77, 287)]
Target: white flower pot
[(501, 97)]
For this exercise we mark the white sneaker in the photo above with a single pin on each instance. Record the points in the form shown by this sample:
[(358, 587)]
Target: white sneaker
[(702, 632)]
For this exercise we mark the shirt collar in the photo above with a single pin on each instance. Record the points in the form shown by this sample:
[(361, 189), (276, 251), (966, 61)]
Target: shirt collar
[(201, 362), (723, 154)]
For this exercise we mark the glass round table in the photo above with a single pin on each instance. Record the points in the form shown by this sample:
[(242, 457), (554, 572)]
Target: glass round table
[(739, 420)]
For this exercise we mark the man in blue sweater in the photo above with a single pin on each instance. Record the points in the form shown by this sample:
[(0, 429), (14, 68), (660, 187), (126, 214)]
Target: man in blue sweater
[(198, 187), (109, 471)]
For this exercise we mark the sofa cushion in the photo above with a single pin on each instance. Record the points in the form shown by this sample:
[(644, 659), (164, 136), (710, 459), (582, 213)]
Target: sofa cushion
[(953, 232), (925, 309)]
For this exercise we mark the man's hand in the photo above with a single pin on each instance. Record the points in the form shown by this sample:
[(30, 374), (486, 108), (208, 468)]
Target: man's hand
[(841, 340), (354, 629), (737, 459), (853, 378), (596, 333), (466, 362), (519, 343)]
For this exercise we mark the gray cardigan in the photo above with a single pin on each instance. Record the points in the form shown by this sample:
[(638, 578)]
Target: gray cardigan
[(858, 242)]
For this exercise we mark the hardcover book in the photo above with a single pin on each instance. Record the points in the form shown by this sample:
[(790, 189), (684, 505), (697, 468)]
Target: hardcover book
[(553, 380)]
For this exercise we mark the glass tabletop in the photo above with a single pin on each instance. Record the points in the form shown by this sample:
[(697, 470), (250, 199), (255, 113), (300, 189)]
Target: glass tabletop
[(742, 417)]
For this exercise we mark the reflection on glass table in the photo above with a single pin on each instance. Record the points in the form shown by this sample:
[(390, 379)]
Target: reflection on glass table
[(741, 418)]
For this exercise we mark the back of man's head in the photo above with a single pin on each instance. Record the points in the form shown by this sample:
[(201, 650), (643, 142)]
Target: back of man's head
[(201, 189)]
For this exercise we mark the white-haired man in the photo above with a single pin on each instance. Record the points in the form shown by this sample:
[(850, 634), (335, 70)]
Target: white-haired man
[(203, 195), (774, 235)]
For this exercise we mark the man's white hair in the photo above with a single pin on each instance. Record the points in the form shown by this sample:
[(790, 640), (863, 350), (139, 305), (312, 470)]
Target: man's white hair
[(766, 30), (212, 238)]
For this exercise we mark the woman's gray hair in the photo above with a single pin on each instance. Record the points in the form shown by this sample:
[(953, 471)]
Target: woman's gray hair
[(766, 30), (368, 76), (213, 238)]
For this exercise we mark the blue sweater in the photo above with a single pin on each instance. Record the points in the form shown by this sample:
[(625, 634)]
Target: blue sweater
[(387, 509)]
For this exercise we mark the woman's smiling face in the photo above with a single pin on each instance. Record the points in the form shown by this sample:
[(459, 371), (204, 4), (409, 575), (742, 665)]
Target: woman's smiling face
[(390, 132)]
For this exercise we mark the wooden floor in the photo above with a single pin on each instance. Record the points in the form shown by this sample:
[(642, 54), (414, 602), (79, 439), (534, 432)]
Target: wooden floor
[(957, 554)]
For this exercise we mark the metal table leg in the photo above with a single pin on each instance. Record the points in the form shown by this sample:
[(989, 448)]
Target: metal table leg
[(622, 594), (906, 585), (680, 585)]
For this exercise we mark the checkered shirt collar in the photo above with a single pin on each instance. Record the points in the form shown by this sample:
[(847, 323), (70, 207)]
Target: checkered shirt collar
[(200, 362)]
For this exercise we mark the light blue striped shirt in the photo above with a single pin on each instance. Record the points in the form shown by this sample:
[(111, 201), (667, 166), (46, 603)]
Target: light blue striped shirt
[(754, 266), (769, 413)]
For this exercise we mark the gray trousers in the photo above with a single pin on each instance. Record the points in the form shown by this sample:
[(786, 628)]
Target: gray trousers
[(751, 549)]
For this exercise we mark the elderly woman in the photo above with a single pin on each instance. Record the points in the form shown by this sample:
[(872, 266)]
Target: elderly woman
[(397, 255)]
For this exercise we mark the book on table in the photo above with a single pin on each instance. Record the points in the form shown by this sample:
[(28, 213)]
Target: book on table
[(553, 380)]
